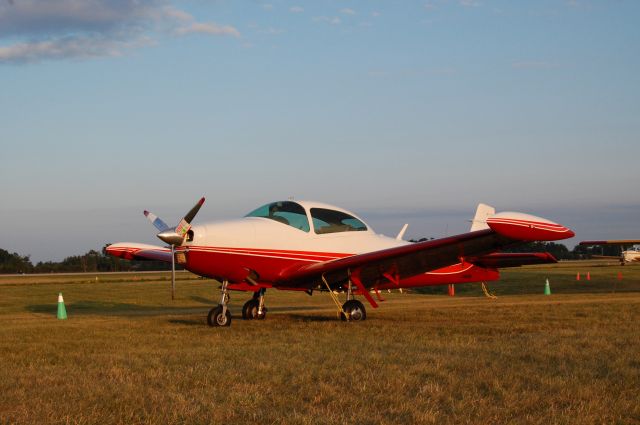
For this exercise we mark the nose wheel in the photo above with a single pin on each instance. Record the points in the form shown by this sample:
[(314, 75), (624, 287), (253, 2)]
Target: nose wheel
[(220, 315)]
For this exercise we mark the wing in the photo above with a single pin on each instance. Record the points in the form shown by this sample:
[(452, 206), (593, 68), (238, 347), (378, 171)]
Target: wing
[(139, 251), (612, 242), (396, 263)]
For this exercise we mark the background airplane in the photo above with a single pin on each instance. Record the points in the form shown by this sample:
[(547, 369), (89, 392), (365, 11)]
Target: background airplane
[(626, 255), (310, 246)]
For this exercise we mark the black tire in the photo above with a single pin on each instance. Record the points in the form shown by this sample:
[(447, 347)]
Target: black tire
[(355, 309), (215, 317), (250, 309), (263, 315)]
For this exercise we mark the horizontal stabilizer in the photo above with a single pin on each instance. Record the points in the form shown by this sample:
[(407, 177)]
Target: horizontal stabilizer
[(628, 242)]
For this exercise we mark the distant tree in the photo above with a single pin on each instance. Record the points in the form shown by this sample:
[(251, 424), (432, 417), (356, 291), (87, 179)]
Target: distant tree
[(558, 250), (421, 240), (14, 263), (92, 261)]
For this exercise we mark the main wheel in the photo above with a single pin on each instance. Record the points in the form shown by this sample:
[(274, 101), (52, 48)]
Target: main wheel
[(250, 309), (355, 309), (216, 318)]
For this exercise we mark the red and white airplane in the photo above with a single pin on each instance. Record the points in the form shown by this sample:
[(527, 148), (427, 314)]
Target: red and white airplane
[(310, 246)]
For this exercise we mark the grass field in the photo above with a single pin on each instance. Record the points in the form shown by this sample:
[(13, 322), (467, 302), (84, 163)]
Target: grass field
[(128, 354)]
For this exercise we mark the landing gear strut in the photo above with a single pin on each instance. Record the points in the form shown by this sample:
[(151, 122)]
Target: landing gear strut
[(352, 309), (220, 315), (255, 308)]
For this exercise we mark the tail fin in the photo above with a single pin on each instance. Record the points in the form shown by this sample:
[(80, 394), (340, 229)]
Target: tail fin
[(479, 221)]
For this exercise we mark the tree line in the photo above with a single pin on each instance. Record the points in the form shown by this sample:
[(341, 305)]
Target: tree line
[(92, 261), (558, 250)]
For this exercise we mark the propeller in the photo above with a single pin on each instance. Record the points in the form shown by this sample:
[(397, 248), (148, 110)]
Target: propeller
[(174, 236)]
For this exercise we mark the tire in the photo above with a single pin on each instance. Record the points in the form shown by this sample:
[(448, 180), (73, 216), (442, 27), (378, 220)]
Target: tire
[(250, 309), (215, 317), (355, 309), (263, 315)]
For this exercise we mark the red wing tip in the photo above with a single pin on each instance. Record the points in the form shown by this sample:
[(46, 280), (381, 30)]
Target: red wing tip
[(570, 233), (201, 201)]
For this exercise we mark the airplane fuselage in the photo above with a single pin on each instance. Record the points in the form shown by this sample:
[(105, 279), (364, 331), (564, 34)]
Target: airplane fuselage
[(264, 249)]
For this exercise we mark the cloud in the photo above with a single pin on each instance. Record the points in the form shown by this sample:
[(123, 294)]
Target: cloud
[(208, 28), (36, 30), (469, 3), (33, 17), (347, 11), (296, 9), (81, 47), (329, 20)]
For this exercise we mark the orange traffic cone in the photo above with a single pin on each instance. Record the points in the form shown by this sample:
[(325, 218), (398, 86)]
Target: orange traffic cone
[(619, 275), (578, 276), (588, 275)]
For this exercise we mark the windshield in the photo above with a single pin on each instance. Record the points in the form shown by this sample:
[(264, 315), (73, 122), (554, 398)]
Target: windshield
[(331, 221), (285, 212)]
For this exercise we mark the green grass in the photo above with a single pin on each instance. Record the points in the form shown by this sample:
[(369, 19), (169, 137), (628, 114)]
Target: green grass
[(128, 354)]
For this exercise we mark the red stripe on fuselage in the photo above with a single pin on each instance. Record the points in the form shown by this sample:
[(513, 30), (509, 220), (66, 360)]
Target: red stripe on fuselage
[(234, 264)]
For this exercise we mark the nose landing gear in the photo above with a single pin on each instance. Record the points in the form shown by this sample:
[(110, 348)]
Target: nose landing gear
[(220, 315)]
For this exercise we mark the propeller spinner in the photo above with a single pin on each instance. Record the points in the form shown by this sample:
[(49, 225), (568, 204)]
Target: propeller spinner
[(174, 236)]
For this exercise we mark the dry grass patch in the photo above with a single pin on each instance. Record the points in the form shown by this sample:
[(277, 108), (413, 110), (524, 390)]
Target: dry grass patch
[(128, 354)]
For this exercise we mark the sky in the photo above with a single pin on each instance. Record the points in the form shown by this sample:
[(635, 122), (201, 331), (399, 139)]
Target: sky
[(401, 111)]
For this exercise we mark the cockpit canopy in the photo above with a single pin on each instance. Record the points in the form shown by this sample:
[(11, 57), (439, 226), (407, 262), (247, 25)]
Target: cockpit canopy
[(325, 220)]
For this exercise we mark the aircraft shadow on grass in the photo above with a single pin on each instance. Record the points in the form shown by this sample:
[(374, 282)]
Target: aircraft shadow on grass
[(128, 309), (114, 309)]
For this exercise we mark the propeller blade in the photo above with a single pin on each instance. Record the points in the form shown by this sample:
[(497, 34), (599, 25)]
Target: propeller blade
[(175, 236), (183, 227), (156, 221)]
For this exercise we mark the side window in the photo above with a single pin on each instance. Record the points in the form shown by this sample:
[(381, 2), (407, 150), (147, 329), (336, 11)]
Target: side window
[(286, 212), (331, 221)]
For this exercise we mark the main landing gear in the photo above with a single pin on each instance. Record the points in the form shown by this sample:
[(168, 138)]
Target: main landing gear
[(220, 315), (254, 308), (352, 310)]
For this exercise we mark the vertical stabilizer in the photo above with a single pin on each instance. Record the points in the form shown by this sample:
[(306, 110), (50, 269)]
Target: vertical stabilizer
[(479, 221)]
